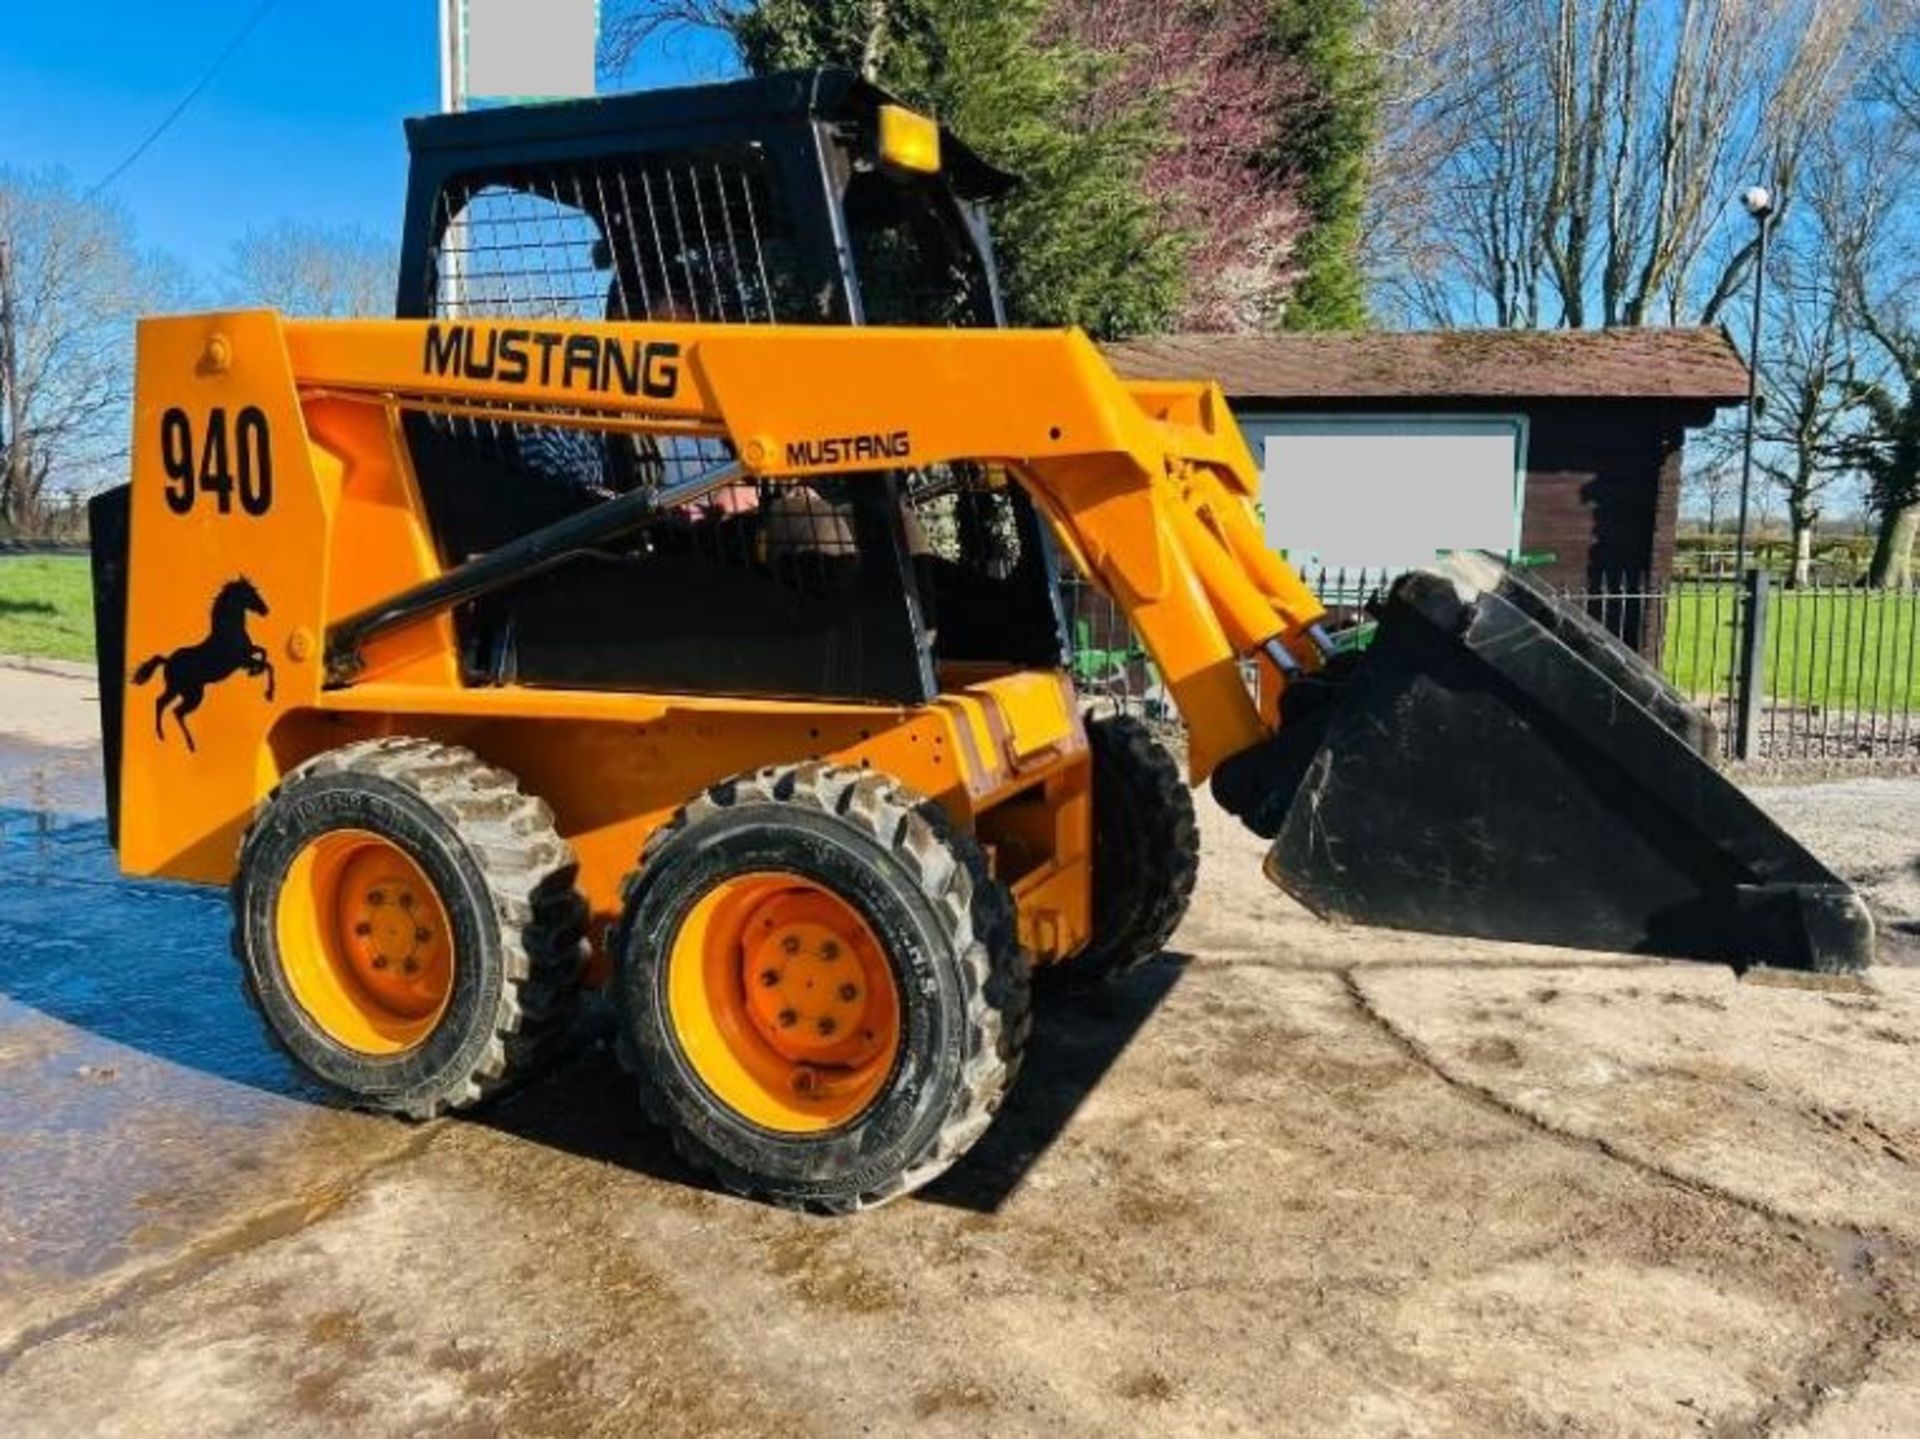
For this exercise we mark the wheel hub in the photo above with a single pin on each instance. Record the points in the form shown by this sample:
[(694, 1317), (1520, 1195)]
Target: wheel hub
[(365, 942), (806, 982), (784, 1002), (394, 939)]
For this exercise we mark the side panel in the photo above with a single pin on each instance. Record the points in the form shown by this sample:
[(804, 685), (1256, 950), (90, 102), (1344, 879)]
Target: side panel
[(224, 608)]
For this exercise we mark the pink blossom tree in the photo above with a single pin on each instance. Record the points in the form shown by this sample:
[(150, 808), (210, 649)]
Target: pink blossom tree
[(1217, 178)]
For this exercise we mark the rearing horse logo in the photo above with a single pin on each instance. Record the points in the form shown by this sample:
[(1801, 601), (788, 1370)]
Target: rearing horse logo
[(226, 649)]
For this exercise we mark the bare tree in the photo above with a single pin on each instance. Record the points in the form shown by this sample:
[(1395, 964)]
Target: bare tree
[(629, 27), (71, 284), (1763, 512), (1494, 211), (1803, 432), (1448, 197), (1872, 230), (1709, 487), (1583, 152), (1896, 77), (305, 269)]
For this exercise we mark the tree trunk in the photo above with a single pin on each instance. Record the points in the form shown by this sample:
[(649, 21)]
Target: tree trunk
[(1892, 567), (873, 50), (1802, 573), (11, 471), (15, 480), (31, 496)]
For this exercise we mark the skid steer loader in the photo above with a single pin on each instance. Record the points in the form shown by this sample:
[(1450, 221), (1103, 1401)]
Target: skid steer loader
[(665, 603)]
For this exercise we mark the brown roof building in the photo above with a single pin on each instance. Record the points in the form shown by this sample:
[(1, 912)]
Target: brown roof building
[(1604, 416), (1696, 365)]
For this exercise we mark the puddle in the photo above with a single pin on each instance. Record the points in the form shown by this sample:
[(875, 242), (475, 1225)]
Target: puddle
[(49, 782), (140, 1100), (140, 963)]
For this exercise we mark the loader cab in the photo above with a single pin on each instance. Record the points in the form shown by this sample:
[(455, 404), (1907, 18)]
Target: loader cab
[(807, 198), (800, 199)]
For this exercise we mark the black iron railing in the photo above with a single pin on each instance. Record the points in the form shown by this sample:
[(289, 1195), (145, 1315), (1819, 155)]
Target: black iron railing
[(1817, 672)]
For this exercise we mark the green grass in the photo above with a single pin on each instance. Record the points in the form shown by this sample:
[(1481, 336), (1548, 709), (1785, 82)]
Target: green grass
[(46, 606), (1848, 649)]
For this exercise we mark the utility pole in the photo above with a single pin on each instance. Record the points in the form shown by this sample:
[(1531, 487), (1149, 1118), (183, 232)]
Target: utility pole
[(453, 97), (453, 55)]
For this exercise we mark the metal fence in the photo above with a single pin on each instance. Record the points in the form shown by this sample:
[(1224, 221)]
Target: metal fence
[(1820, 672), (1110, 665)]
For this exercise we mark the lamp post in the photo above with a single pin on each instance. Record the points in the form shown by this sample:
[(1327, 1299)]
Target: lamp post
[(1759, 203)]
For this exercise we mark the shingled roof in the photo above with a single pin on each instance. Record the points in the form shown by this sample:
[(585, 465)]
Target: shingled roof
[(1698, 365)]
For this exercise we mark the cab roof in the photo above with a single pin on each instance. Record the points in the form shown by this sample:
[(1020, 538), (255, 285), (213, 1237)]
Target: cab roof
[(552, 129)]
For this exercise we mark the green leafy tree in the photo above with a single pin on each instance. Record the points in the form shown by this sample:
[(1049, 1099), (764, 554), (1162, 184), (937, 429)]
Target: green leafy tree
[(1325, 138), (1081, 241), (1218, 87)]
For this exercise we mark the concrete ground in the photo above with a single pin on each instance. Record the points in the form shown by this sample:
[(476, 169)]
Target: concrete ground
[(1286, 1179)]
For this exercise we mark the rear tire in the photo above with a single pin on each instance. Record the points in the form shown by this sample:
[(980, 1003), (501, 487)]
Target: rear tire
[(1146, 848), (408, 927), (728, 970)]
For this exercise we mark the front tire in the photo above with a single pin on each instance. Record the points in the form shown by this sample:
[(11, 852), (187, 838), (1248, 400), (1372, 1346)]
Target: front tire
[(407, 925), (819, 987), (1146, 848)]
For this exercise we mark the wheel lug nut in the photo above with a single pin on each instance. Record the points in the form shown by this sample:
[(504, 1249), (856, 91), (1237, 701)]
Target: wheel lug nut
[(825, 1025), (790, 945), (363, 929), (411, 966), (829, 950), (420, 935), (406, 899), (379, 961), (805, 1081), (849, 993), (769, 978), (376, 896), (788, 1019)]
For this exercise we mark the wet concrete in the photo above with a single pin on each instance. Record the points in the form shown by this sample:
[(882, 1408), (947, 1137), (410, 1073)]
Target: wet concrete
[(142, 1109), (1288, 1178)]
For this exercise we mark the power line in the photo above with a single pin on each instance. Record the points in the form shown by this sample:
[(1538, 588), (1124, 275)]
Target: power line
[(206, 78)]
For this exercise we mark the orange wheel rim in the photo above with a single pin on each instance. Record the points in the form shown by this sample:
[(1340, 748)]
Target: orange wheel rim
[(783, 1002), (365, 943)]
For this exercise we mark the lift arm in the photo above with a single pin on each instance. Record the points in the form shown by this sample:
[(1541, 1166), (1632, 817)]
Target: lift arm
[(1148, 487)]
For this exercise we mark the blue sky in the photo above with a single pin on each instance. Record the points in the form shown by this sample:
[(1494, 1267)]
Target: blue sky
[(304, 122)]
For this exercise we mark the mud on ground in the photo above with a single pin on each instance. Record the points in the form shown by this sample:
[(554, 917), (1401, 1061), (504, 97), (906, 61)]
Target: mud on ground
[(1286, 1179)]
